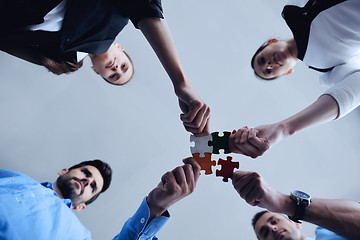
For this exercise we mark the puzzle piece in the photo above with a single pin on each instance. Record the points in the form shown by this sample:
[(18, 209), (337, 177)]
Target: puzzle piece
[(227, 168), (219, 142), (205, 162), (201, 145)]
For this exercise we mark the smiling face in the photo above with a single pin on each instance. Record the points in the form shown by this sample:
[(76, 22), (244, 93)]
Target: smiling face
[(276, 59), (114, 65), (80, 184), (274, 226)]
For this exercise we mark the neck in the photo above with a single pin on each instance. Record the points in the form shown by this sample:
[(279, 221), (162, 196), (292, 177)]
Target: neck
[(57, 190), (91, 56), (292, 47)]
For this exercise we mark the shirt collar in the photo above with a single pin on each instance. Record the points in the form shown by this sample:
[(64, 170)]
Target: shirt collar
[(50, 186)]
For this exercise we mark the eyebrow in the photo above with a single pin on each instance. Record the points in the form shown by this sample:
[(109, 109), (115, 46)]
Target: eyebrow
[(116, 74)]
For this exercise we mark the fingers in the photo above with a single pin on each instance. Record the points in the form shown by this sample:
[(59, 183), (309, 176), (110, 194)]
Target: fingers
[(180, 178), (195, 167), (248, 185), (185, 177), (246, 142), (244, 136), (262, 144), (197, 118), (197, 131), (167, 180)]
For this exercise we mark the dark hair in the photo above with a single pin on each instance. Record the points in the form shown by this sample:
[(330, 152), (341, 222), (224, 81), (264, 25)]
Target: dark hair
[(60, 67), (257, 216), (130, 76), (105, 171), (264, 45)]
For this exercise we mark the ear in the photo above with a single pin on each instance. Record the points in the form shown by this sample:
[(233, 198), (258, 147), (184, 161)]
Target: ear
[(63, 171), (119, 46), (92, 67), (298, 225), (288, 72), (272, 40), (80, 207)]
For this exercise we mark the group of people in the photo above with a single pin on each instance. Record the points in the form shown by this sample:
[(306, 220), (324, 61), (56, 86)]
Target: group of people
[(326, 37)]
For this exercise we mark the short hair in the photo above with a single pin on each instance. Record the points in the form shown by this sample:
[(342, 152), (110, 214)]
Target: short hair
[(130, 76), (105, 171), (264, 45), (257, 216)]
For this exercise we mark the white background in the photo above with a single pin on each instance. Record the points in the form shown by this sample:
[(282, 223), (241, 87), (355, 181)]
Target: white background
[(51, 122)]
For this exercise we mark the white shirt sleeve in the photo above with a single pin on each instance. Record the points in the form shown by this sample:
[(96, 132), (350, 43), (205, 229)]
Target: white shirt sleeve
[(345, 86)]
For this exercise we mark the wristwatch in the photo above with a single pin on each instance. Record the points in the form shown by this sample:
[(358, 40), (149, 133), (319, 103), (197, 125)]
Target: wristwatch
[(302, 201)]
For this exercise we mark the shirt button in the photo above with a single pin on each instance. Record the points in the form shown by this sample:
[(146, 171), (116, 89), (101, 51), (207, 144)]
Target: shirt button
[(142, 220)]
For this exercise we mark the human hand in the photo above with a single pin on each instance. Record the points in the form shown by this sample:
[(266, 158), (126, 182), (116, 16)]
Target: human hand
[(257, 192), (247, 142), (196, 113), (174, 186)]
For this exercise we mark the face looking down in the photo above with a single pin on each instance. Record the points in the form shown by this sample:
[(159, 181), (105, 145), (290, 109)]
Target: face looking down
[(274, 226), (80, 184), (114, 65), (276, 59)]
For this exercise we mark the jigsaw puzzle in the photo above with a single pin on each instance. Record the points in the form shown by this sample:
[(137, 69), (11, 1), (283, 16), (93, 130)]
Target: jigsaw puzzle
[(205, 162), (227, 168), (220, 142), (201, 145)]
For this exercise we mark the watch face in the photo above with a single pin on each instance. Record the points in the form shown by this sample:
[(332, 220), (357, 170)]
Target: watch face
[(301, 194)]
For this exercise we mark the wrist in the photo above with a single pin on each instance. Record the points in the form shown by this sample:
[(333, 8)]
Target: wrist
[(285, 128), (302, 201), (155, 210), (284, 204), (179, 82)]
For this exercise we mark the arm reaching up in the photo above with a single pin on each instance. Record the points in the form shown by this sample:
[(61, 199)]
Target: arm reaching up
[(174, 186), (196, 112), (152, 214), (339, 216), (255, 142)]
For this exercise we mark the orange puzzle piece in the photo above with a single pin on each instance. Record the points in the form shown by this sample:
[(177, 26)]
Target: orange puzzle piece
[(205, 162)]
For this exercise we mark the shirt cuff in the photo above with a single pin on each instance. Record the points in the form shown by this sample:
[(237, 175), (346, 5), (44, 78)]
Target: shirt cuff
[(134, 228), (155, 225)]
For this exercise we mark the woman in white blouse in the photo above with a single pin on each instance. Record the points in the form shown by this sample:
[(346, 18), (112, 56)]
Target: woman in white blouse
[(326, 37)]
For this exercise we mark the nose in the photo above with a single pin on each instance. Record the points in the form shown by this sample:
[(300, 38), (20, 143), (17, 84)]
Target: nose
[(270, 65), (273, 228), (85, 182), (115, 67)]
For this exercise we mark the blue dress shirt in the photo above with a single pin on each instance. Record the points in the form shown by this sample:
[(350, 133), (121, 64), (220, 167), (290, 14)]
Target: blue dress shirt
[(324, 234), (30, 210)]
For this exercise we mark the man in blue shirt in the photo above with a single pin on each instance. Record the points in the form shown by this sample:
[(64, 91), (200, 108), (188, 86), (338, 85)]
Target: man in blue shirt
[(42, 211), (338, 219)]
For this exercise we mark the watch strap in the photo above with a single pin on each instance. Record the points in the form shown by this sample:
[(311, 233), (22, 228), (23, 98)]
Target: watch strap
[(300, 210)]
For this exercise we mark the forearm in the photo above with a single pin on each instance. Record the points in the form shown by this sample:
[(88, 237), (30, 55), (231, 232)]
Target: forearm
[(158, 35), (323, 110), (339, 216)]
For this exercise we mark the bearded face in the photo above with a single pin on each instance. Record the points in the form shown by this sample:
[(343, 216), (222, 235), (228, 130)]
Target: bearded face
[(80, 184), (69, 188)]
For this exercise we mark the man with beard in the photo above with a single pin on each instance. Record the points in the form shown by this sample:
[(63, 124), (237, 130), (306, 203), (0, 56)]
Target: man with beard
[(42, 211), (337, 219)]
